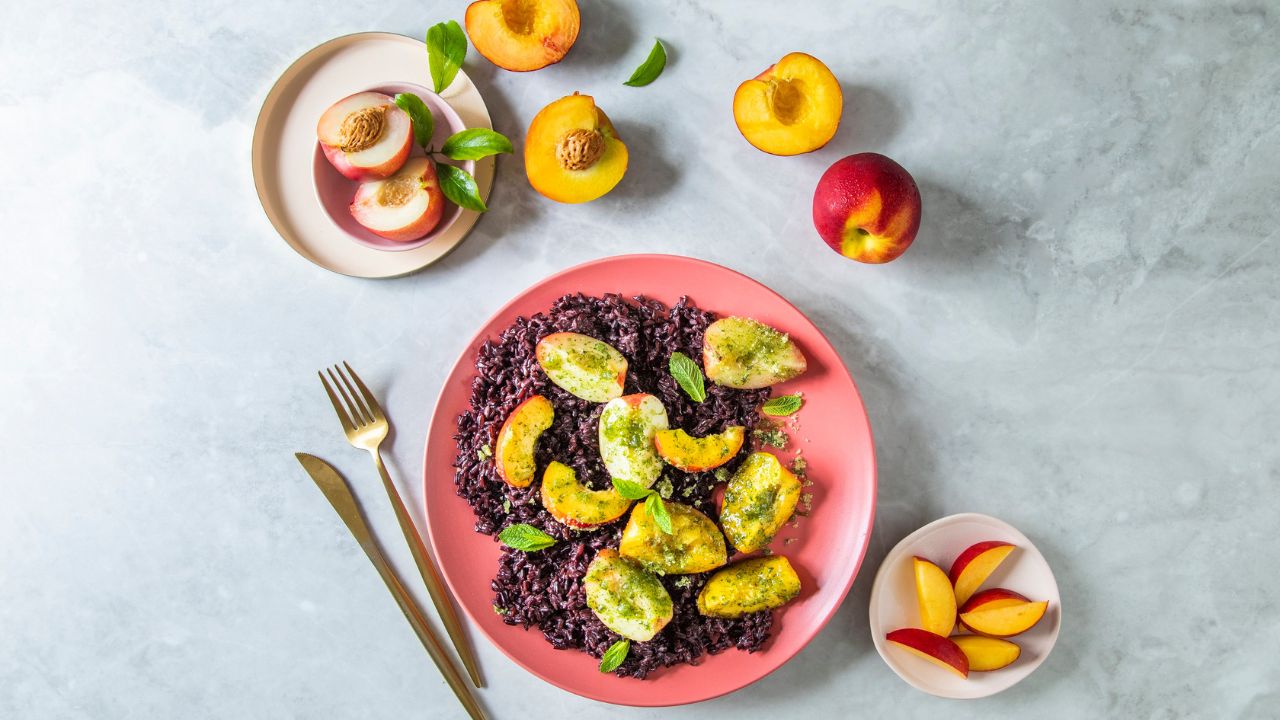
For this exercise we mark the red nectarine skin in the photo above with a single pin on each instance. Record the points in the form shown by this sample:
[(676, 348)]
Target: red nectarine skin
[(867, 207)]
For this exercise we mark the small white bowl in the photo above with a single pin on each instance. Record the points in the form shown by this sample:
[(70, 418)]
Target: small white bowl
[(893, 602)]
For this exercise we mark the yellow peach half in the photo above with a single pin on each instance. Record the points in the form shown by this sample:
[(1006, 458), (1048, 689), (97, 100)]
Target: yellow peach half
[(523, 35), (572, 154)]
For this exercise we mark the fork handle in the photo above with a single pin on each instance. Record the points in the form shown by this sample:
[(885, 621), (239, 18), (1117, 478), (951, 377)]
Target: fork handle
[(430, 574)]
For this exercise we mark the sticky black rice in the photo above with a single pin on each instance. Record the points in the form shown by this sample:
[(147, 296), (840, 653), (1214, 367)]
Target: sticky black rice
[(544, 589)]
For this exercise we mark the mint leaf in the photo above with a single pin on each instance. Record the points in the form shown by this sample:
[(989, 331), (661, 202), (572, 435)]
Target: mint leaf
[(446, 49), (424, 124), (651, 68), (658, 511), (614, 656), (688, 375), (476, 143), (525, 537), (458, 185), (782, 406), (631, 490)]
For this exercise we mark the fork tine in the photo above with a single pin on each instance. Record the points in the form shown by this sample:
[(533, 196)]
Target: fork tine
[(337, 405), (357, 416), (369, 399), (356, 400)]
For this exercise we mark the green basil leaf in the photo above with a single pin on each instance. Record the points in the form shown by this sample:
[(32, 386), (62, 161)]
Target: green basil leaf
[(651, 68), (476, 143), (424, 124), (658, 511), (688, 375), (525, 537), (446, 49), (782, 406), (631, 490), (458, 185), (614, 656)]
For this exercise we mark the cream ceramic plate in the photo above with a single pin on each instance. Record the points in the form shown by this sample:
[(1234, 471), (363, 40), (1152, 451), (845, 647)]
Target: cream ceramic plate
[(893, 602), (284, 146)]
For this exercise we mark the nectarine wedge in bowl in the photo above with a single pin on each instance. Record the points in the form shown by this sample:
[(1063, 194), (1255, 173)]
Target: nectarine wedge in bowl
[(572, 153), (523, 35), (792, 107)]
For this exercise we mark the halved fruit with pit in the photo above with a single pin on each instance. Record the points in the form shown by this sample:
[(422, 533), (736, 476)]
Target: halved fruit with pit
[(523, 35), (572, 154), (518, 438), (791, 108), (403, 207), (697, 454), (576, 505), (365, 136)]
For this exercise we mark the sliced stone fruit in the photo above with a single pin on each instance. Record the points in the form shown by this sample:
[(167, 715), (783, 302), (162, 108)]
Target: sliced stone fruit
[(627, 428), (523, 35), (938, 650), (987, 653), (583, 366), (746, 354), (760, 498), (694, 545), (696, 454), (403, 207), (576, 505), (572, 153), (365, 136), (628, 599), (748, 586), (518, 438)]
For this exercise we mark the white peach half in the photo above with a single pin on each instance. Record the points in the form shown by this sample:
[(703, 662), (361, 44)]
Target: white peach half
[(365, 136), (403, 207)]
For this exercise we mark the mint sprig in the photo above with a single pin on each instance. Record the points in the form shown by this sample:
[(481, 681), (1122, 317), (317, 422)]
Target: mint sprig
[(653, 503), (526, 538), (614, 656), (783, 405), (446, 49), (688, 375)]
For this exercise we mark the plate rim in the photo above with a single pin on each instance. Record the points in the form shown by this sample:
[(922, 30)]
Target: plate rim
[(464, 360)]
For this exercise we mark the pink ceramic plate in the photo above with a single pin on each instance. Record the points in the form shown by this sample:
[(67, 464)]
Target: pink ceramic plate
[(832, 431)]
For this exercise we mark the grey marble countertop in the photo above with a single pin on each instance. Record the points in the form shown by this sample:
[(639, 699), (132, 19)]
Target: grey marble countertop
[(1083, 341)]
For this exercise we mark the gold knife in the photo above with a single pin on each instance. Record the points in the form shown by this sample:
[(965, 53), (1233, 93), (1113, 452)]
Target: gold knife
[(340, 497)]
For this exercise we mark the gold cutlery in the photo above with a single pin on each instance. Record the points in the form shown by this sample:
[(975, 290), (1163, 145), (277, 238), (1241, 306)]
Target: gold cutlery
[(339, 495), (366, 427)]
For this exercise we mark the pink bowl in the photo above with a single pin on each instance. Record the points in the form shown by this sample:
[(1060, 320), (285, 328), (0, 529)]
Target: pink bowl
[(335, 192), (832, 430)]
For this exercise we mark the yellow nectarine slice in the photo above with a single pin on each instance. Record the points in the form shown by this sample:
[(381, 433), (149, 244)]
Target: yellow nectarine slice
[(987, 653), (513, 450), (697, 454), (975, 565), (791, 108), (938, 650), (1004, 620), (572, 154), (576, 505), (759, 499), (934, 596), (628, 599), (694, 544), (523, 35), (748, 586)]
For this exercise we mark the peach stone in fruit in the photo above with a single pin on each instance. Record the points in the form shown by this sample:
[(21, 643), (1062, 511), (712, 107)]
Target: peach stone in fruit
[(523, 35), (365, 136), (938, 650), (934, 596), (403, 207), (572, 154), (867, 208), (513, 450), (975, 565), (792, 107)]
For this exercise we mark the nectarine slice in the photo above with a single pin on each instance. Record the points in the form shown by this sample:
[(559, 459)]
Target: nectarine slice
[(694, 544), (627, 427), (793, 107), (576, 505), (748, 586), (572, 154), (583, 366), (698, 454), (987, 653), (975, 565), (523, 35), (938, 650), (365, 136), (628, 599), (513, 450), (1003, 618), (934, 596), (760, 497), (746, 354), (403, 207)]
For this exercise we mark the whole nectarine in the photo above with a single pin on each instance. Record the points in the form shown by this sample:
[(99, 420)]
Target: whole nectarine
[(867, 207)]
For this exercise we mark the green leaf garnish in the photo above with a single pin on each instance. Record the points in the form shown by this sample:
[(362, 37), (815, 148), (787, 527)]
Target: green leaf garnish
[(651, 68), (631, 490), (688, 375), (614, 656), (446, 49), (525, 537), (476, 143), (783, 405), (458, 185), (424, 124), (658, 511)]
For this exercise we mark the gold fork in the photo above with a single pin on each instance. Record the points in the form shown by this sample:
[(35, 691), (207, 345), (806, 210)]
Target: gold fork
[(366, 427)]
